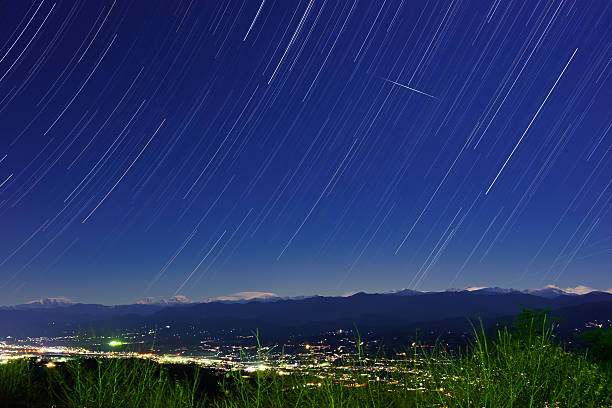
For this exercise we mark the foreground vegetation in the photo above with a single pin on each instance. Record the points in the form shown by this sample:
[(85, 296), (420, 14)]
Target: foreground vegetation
[(523, 367)]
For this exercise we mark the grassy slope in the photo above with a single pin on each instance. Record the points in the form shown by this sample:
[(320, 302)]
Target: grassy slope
[(526, 370)]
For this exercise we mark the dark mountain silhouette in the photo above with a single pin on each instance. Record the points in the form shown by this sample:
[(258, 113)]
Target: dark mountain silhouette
[(26, 320), (393, 311), (378, 308)]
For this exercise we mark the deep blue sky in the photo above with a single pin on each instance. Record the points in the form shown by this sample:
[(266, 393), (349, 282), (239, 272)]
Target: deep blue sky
[(302, 147)]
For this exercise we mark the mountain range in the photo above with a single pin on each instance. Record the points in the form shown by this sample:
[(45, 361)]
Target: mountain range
[(549, 291), (398, 310)]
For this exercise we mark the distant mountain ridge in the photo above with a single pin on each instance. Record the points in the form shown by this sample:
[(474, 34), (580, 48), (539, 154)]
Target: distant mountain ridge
[(546, 292), (45, 303), (395, 309), (549, 291), (174, 300)]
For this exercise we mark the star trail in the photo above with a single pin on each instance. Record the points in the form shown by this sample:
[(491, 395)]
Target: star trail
[(200, 148)]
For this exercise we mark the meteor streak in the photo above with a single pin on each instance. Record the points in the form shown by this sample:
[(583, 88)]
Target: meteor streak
[(412, 89)]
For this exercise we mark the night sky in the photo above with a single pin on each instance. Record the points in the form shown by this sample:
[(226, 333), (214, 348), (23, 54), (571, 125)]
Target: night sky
[(201, 148)]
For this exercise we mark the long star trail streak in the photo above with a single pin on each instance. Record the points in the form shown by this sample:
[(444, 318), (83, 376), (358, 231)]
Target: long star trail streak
[(594, 225), (24, 243), (535, 47), (220, 146), (365, 247), (295, 35), (98, 31), (40, 251), (5, 180), (231, 237), (475, 247), (254, 20), (435, 247), (199, 264), (530, 123), (329, 53), (567, 209), (570, 239), (22, 31), (343, 147), (106, 154), (167, 265), (106, 121), (316, 202), (370, 31), (124, 173), (467, 142), (27, 45), (82, 86)]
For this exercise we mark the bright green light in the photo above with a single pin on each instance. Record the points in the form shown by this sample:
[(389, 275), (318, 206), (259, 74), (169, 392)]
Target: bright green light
[(115, 343)]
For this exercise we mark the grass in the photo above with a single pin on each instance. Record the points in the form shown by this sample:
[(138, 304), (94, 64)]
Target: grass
[(520, 368), (507, 371), (104, 382), (122, 383)]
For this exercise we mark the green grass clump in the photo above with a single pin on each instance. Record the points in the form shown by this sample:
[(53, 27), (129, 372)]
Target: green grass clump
[(509, 372), (524, 367), (21, 383), (601, 344), (122, 383), (514, 368), (502, 373), (99, 383)]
